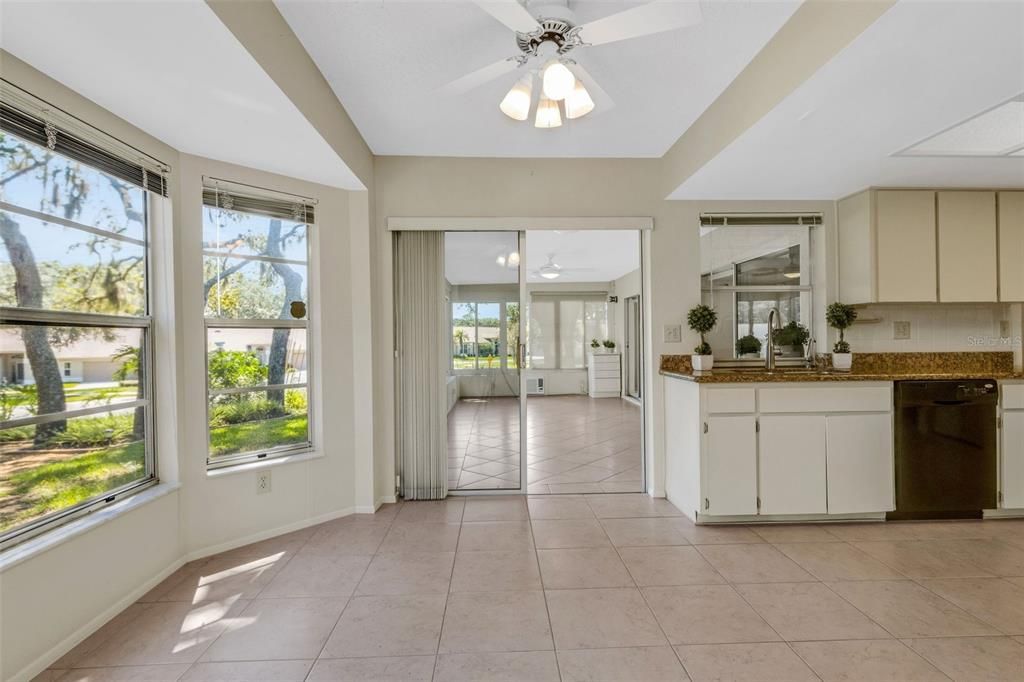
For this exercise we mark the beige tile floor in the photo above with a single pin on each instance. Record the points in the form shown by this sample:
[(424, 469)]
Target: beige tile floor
[(584, 587), (575, 444)]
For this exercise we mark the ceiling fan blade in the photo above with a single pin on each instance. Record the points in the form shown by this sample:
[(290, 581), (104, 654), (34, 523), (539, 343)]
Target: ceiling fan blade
[(654, 17), (510, 13), (475, 79), (602, 100)]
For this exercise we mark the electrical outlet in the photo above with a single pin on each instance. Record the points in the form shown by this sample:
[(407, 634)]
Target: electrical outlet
[(673, 333), (901, 330), (263, 482)]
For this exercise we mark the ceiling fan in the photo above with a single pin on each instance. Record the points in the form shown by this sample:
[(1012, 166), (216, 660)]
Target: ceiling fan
[(552, 270), (546, 34)]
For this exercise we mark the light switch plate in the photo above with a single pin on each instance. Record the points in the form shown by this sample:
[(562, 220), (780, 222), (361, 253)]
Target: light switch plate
[(673, 333), (901, 330)]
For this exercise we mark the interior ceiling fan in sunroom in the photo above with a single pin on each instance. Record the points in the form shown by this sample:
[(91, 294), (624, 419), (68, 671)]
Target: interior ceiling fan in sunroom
[(549, 42)]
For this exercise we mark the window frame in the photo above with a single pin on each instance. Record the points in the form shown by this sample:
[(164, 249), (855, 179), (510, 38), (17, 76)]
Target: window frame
[(306, 324), (804, 291), (15, 316)]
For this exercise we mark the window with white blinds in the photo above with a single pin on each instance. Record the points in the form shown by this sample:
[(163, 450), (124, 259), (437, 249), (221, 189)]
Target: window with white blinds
[(561, 327)]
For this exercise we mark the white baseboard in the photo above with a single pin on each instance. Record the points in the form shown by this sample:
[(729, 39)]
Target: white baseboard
[(1003, 513), (47, 659)]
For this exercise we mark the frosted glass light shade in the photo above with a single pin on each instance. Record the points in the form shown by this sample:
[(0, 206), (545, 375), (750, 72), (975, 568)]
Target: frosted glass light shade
[(558, 81), (548, 115), (578, 103), (517, 102)]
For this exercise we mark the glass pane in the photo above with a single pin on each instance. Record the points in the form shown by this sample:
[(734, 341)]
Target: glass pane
[(570, 322), (463, 335), (752, 320), (50, 266), (512, 335), (58, 465), (257, 421), (247, 289), (542, 337), (55, 369), (36, 178), (774, 269), (596, 323), (255, 357), (247, 234), (760, 255), (488, 335)]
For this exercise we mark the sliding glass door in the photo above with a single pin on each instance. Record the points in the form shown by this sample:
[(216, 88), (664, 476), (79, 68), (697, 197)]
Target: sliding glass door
[(486, 412)]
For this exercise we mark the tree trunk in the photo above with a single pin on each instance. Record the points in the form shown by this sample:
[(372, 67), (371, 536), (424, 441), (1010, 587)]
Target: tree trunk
[(141, 378), (276, 365), (28, 288)]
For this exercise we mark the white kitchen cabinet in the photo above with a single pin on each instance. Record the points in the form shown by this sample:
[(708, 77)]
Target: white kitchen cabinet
[(1011, 246), (730, 466), (906, 245), (792, 464), (967, 247), (860, 463), (1012, 446)]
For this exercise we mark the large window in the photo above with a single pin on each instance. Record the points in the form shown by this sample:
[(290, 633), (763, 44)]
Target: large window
[(749, 269), (561, 327), (76, 409), (256, 280)]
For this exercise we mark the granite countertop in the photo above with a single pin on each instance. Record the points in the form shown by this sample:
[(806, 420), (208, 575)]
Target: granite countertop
[(866, 367)]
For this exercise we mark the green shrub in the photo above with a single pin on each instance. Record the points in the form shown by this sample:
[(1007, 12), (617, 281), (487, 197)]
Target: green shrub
[(238, 412), (89, 432), (793, 334), (748, 344), (295, 402)]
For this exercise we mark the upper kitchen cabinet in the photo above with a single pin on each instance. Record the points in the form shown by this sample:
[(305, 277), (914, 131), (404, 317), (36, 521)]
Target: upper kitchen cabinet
[(926, 246), (967, 247), (888, 247), (1011, 246)]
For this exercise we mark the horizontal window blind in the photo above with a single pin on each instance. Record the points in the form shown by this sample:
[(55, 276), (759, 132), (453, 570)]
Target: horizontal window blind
[(600, 296), (713, 219), (298, 210), (34, 127)]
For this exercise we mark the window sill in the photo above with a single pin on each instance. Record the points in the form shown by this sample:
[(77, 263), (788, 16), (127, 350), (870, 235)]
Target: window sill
[(24, 551), (264, 463)]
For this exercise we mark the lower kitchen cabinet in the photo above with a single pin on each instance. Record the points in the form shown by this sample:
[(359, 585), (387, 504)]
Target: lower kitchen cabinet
[(1013, 459), (860, 463), (730, 467), (792, 464)]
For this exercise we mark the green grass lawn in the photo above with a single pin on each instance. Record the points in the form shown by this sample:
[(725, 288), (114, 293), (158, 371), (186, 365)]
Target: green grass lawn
[(62, 484), (58, 485), (258, 435)]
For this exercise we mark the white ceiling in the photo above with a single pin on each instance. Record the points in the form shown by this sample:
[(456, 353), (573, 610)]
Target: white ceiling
[(175, 71), (920, 69), (583, 255), (387, 59)]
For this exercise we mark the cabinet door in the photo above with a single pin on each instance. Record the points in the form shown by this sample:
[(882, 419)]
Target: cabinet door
[(1011, 246), (730, 452), (967, 247), (906, 246), (792, 465), (860, 464), (1013, 460)]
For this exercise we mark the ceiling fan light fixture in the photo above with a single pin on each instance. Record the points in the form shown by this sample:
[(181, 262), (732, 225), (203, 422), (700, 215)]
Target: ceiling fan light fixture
[(550, 274), (559, 81), (578, 103), (516, 104), (513, 259), (548, 114)]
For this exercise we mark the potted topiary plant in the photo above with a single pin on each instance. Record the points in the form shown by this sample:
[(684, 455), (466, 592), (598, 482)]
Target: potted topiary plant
[(609, 346), (841, 316), (702, 319), (794, 335), (595, 345), (748, 345)]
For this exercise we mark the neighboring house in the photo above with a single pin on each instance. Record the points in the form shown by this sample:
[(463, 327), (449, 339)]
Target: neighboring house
[(467, 343), (89, 360)]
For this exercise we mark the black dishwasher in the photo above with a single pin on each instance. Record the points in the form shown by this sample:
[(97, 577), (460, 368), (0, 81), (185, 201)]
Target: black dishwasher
[(946, 435)]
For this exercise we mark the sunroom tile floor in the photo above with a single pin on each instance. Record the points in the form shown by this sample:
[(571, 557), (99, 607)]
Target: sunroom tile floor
[(586, 587), (575, 444)]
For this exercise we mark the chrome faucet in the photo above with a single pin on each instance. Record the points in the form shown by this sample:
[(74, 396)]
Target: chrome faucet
[(774, 322)]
